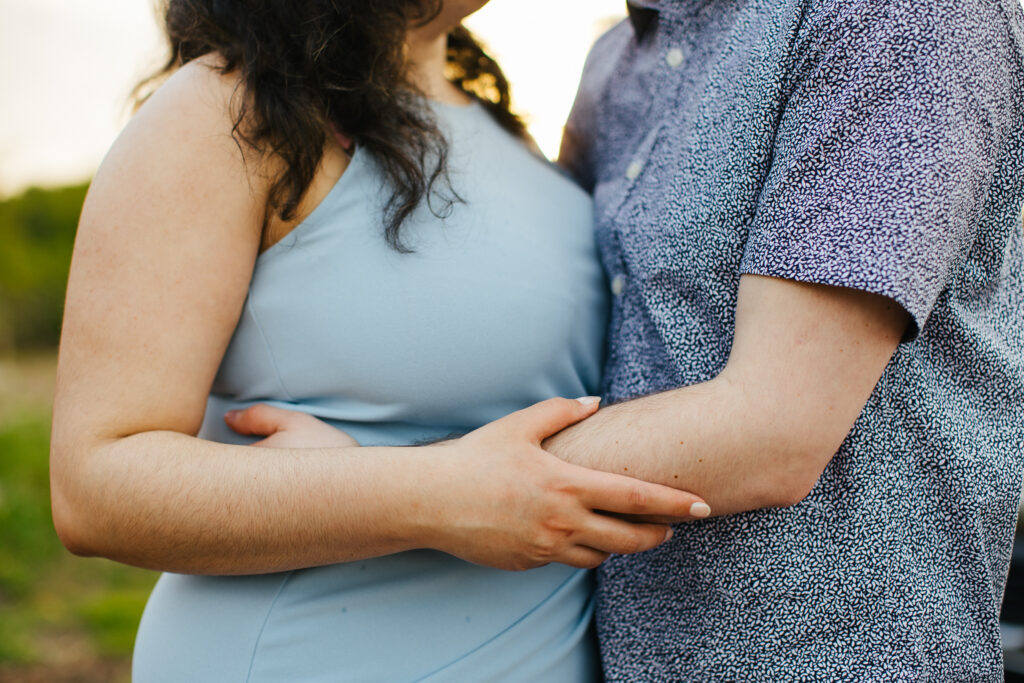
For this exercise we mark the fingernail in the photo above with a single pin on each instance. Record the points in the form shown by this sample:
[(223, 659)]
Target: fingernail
[(589, 400), (668, 535), (700, 510), (232, 414)]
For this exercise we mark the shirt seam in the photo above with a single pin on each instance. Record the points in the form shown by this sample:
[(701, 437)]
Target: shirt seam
[(263, 626), (269, 349), (575, 575)]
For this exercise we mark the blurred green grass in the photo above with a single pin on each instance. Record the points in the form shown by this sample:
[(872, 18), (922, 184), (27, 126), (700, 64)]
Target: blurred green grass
[(62, 618), (37, 232)]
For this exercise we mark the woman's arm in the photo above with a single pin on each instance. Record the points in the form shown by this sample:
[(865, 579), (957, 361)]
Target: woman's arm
[(165, 250), (804, 361)]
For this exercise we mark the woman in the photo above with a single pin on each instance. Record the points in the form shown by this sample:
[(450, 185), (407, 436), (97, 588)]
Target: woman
[(309, 212)]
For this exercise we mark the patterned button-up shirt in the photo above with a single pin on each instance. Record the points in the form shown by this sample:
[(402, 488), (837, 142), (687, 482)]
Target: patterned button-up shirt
[(872, 144)]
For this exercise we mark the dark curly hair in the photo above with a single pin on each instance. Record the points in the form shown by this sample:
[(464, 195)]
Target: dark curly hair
[(312, 67)]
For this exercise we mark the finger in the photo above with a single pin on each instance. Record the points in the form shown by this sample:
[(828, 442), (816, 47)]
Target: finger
[(583, 557), (543, 419), (611, 535), (260, 419), (628, 496), (652, 519)]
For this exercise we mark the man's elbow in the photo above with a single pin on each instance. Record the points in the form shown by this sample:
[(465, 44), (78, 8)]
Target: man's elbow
[(791, 477), (794, 493)]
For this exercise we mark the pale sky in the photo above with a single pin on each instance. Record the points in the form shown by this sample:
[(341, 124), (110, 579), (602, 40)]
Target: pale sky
[(68, 66)]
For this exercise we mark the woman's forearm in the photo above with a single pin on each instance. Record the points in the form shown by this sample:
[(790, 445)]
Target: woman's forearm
[(163, 261), (167, 501)]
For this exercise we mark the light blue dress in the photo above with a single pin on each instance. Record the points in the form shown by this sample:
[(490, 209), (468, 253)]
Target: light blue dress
[(502, 304)]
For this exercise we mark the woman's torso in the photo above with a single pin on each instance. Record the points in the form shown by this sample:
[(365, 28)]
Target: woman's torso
[(500, 304)]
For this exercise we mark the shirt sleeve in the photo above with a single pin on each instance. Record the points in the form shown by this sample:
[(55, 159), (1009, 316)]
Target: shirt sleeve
[(578, 137), (886, 148)]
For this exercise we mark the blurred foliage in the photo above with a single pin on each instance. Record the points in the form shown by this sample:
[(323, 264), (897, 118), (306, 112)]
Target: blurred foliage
[(62, 618), (112, 618), (37, 232), (24, 504)]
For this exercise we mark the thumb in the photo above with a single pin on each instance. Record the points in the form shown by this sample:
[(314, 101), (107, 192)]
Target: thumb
[(543, 419), (260, 420)]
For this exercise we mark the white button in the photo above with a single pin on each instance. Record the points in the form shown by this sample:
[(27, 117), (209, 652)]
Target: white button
[(618, 284), (674, 57), (633, 172)]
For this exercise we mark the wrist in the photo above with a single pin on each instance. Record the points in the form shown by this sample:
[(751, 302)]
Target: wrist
[(432, 476)]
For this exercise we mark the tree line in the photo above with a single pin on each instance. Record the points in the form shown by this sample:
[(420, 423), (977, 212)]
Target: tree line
[(37, 233)]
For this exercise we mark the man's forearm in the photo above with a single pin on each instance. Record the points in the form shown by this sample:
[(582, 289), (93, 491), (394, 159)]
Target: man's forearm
[(804, 362), (717, 440), (722, 440)]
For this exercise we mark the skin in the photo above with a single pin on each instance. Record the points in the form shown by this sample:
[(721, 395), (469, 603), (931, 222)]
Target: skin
[(803, 364), (163, 258)]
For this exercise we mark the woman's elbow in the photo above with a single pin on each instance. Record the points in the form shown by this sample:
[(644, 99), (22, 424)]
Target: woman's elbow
[(69, 526), (70, 520)]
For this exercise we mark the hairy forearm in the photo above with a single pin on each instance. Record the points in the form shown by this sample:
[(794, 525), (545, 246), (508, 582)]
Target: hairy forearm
[(717, 440), (167, 501), (493, 497), (804, 362)]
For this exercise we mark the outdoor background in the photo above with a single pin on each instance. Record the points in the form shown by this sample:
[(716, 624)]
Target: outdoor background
[(66, 69)]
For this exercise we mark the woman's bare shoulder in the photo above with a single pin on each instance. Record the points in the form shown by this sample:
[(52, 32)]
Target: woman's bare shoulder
[(201, 83), (181, 144), (199, 99), (177, 168)]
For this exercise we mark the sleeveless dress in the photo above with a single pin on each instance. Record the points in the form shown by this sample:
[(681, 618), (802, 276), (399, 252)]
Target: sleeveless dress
[(501, 304)]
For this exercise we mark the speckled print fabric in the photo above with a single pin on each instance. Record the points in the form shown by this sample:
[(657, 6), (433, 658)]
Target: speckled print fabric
[(874, 144)]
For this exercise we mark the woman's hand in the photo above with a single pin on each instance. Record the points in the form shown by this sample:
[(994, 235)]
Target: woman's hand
[(505, 502), (510, 504), (286, 428)]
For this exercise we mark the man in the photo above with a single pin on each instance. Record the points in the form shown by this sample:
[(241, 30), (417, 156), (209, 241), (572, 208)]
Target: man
[(809, 211)]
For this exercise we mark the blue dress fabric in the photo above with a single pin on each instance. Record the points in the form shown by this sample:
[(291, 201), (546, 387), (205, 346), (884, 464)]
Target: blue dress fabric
[(871, 144), (501, 304)]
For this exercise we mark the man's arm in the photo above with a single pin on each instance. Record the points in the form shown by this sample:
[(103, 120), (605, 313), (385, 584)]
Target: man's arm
[(804, 362)]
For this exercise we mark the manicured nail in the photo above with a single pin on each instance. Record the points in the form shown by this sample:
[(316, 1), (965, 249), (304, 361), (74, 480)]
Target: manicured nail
[(589, 400), (700, 510), (668, 535)]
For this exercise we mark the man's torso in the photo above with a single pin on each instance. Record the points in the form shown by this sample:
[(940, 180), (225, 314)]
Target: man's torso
[(893, 568)]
